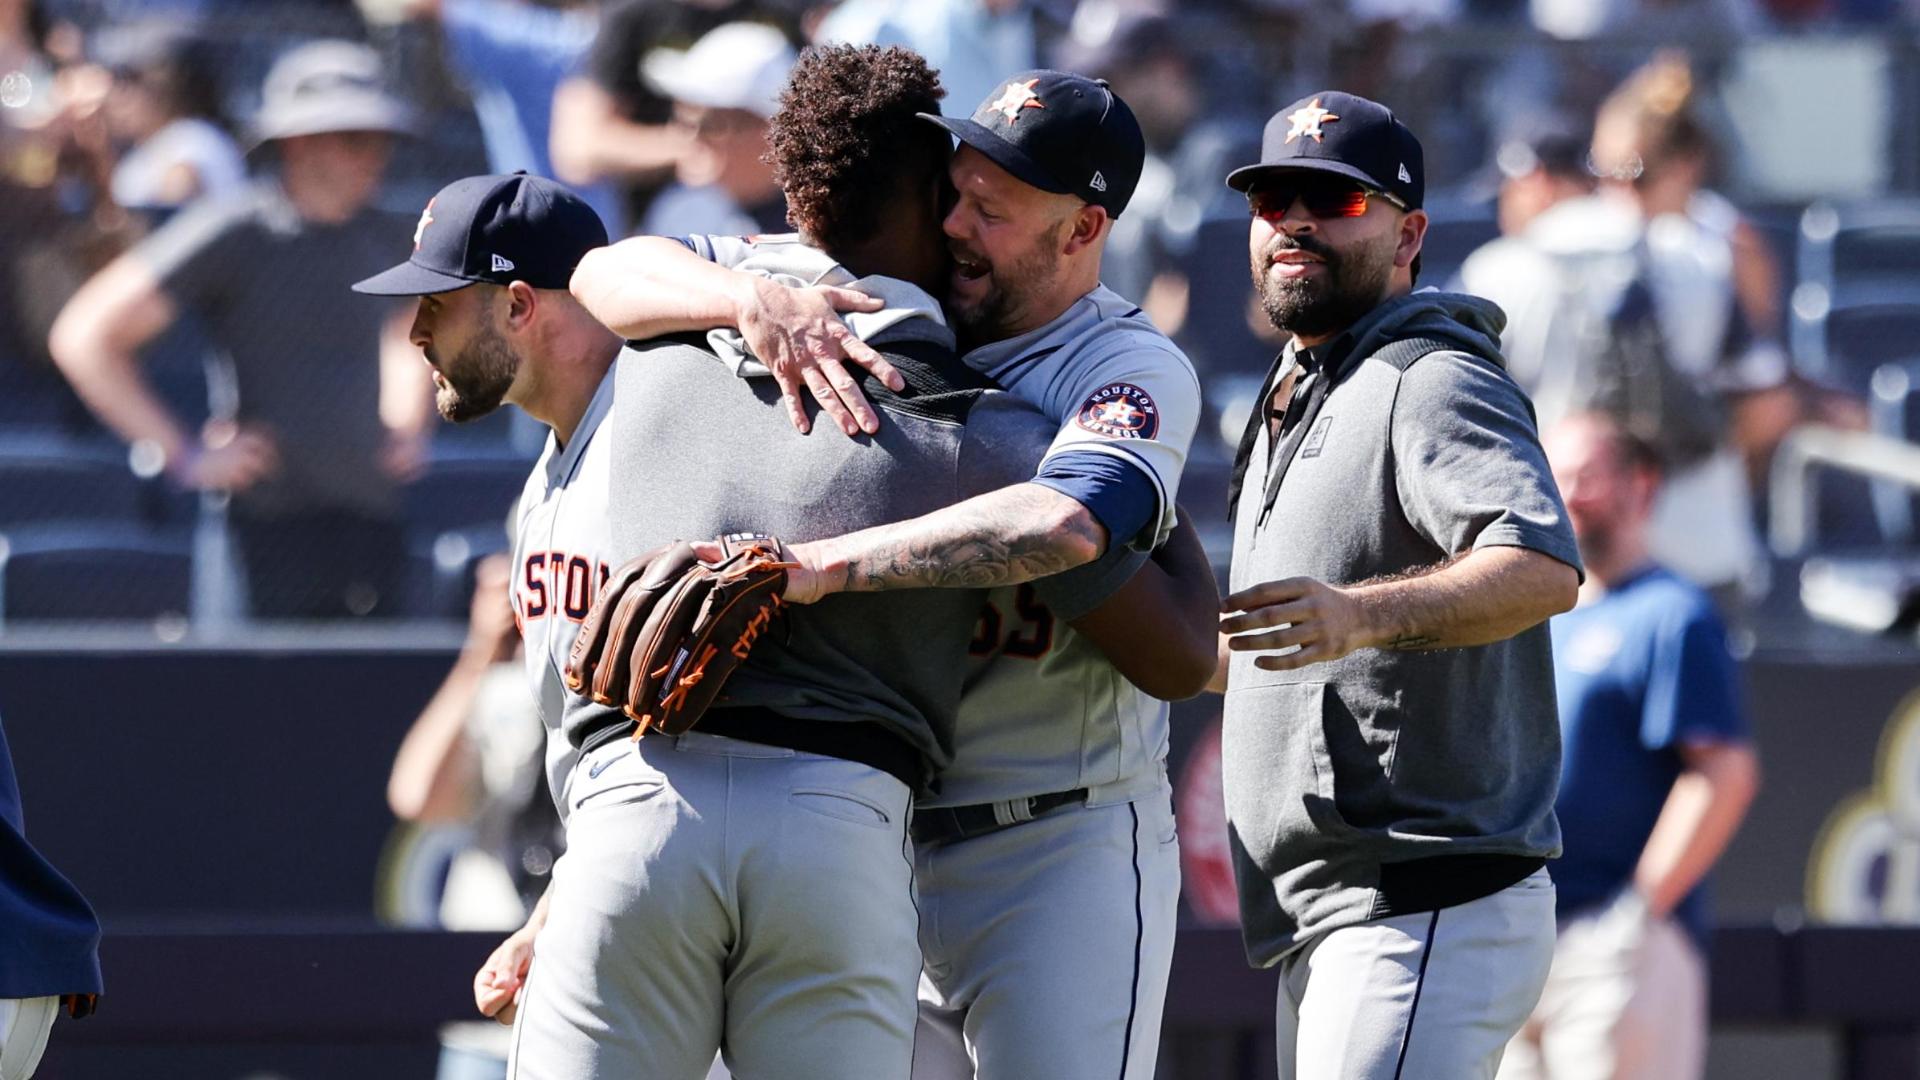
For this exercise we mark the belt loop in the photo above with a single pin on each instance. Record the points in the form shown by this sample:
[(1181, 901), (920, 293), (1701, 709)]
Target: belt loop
[(1013, 811)]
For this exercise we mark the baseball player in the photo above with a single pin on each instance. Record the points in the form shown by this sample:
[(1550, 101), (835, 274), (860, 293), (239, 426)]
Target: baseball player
[(747, 885), (1047, 944), (492, 255)]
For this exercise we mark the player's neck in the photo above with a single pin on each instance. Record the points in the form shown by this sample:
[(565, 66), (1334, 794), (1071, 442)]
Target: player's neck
[(884, 255), (561, 389), (1072, 286)]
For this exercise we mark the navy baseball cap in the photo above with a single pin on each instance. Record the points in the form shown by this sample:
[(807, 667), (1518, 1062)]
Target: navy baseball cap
[(1342, 134), (494, 229), (1060, 132)]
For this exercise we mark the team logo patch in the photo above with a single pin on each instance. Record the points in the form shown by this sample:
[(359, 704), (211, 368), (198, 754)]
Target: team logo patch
[(420, 230), (1317, 438), (1120, 411), (1017, 96), (1307, 119)]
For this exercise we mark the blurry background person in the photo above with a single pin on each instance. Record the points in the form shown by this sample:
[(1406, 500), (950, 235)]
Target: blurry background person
[(512, 55), (49, 952), (475, 759), (1656, 303), (58, 224), (329, 413), (1656, 775), (164, 108), (1541, 163), (724, 89), (973, 44), (610, 124)]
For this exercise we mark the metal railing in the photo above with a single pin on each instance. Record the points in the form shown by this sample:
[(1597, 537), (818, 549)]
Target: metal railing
[(1794, 514)]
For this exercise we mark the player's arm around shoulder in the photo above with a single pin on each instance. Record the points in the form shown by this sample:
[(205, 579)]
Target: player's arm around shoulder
[(1160, 628), (647, 286), (1005, 529)]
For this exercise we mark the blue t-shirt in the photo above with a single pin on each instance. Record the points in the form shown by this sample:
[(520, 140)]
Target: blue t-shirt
[(1639, 672), (512, 55)]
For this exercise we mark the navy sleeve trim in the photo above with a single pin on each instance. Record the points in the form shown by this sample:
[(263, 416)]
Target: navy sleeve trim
[(1121, 495)]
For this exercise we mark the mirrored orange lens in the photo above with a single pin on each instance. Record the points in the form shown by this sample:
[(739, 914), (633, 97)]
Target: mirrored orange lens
[(1320, 200)]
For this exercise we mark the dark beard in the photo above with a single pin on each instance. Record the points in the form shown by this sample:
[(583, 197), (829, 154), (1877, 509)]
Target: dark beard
[(478, 379), (998, 311), (1328, 303)]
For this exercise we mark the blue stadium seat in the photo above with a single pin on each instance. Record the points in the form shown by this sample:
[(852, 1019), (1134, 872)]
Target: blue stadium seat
[(1857, 340), (47, 479), (1858, 277), (93, 572), (440, 569), (462, 490), (1455, 228)]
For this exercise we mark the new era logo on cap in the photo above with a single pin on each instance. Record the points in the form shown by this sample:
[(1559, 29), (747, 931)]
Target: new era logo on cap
[(1404, 177), (1098, 183), (501, 264)]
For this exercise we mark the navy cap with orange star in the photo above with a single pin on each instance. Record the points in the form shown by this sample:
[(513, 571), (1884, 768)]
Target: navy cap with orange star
[(1346, 135), (1060, 132), (494, 230)]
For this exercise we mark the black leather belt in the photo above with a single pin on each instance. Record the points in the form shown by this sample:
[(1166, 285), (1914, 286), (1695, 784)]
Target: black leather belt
[(945, 824), (863, 741)]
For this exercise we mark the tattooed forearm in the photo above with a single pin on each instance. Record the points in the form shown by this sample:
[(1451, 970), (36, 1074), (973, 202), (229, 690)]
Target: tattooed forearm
[(1005, 537)]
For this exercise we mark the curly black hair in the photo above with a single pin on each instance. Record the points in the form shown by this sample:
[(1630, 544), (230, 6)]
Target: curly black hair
[(846, 140)]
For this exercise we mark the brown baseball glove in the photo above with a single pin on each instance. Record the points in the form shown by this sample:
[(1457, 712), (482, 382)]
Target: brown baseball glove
[(669, 629)]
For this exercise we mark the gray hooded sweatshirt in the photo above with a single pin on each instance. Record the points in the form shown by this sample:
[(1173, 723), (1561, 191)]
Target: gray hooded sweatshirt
[(1343, 778)]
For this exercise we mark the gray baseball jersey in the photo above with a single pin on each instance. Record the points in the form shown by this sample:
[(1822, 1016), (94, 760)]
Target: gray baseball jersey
[(560, 560), (791, 937), (1021, 923)]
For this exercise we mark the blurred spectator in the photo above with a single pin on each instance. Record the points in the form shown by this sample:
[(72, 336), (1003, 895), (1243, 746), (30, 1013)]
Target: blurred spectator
[(1542, 163), (165, 109), (1649, 20), (1146, 61), (512, 55), (475, 757), (724, 89), (1658, 303), (608, 123), (49, 953), (973, 44), (330, 414), (58, 224), (1656, 774)]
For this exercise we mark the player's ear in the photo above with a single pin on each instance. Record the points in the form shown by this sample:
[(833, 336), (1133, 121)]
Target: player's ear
[(1086, 227), (1413, 233), (522, 302)]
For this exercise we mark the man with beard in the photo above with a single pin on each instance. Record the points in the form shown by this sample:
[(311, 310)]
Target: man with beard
[(495, 321), (1390, 741), (1046, 859)]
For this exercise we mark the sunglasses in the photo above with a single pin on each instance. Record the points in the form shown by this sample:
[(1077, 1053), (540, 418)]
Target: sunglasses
[(1323, 198)]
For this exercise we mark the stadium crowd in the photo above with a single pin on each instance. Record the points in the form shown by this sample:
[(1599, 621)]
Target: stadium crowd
[(201, 424), (188, 413)]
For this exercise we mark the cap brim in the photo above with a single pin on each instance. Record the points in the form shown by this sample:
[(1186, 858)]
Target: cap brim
[(410, 279), (1245, 176), (999, 151), (326, 117)]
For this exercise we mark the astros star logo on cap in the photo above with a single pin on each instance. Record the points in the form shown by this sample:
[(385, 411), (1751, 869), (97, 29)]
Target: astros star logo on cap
[(420, 230), (1307, 120), (1017, 96)]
